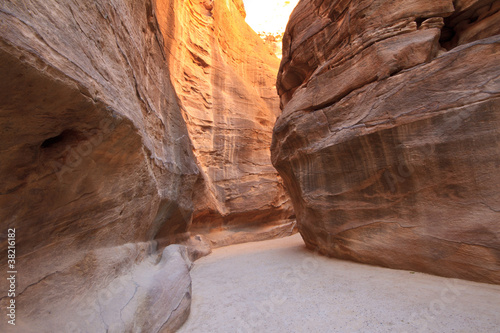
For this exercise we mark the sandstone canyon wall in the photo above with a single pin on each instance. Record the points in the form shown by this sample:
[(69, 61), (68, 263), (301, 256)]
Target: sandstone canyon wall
[(225, 79), (116, 128), (389, 139)]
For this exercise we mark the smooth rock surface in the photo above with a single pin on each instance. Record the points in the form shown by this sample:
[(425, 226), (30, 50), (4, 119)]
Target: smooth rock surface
[(389, 140), (144, 291), (280, 286)]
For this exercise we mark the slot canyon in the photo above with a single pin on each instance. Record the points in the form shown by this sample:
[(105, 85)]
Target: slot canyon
[(164, 167)]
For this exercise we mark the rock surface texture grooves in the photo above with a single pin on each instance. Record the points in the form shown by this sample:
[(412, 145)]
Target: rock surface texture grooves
[(389, 139), (121, 122), (225, 82)]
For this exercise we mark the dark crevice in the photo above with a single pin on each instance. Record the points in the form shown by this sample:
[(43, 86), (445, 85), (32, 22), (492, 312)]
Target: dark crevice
[(419, 21), (63, 138), (447, 36), (458, 26), (150, 17)]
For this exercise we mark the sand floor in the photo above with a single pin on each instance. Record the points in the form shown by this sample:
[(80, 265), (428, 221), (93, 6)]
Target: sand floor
[(280, 286)]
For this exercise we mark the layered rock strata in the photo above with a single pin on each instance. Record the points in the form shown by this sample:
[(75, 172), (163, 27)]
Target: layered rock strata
[(225, 78), (389, 140)]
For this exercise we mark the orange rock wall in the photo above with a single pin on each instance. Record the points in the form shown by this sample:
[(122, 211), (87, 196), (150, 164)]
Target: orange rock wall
[(225, 80)]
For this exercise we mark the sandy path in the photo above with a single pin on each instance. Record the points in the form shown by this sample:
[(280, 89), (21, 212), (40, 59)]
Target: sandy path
[(279, 286)]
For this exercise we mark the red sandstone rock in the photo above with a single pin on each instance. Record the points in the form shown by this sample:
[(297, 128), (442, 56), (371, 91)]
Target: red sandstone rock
[(103, 155), (225, 77), (389, 139)]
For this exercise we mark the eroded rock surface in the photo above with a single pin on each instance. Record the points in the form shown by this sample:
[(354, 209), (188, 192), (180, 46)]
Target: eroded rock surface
[(95, 154), (389, 140), (132, 289), (225, 79), (100, 163)]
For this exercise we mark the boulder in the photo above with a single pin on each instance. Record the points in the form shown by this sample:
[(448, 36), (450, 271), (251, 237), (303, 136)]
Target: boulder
[(389, 139)]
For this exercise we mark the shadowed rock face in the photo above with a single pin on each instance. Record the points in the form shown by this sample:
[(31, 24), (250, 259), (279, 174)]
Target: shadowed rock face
[(389, 140), (95, 160), (97, 166)]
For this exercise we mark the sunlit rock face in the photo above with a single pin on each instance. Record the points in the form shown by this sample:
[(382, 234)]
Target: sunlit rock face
[(389, 140), (103, 111), (225, 80)]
